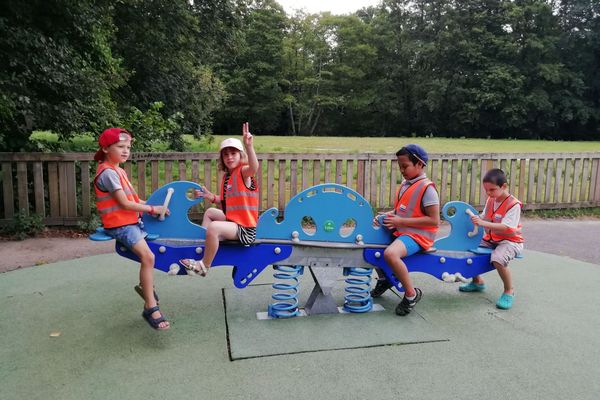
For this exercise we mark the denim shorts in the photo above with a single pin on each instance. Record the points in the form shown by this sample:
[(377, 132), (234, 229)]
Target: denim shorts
[(411, 246), (127, 235)]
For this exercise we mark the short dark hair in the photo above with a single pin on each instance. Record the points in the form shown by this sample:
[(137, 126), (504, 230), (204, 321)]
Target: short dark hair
[(405, 152), (495, 176)]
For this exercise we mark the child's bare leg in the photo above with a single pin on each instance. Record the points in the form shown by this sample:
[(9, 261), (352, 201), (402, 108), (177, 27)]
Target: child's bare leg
[(212, 214), (506, 277), (217, 231), (478, 280), (393, 256), (146, 257)]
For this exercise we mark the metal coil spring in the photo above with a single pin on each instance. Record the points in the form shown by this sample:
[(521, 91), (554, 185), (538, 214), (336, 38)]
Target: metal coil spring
[(286, 303), (358, 299)]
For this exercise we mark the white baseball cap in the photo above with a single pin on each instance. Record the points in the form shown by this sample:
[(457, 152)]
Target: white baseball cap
[(232, 142)]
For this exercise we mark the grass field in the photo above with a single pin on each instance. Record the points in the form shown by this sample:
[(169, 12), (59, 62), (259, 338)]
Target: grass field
[(329, 144)]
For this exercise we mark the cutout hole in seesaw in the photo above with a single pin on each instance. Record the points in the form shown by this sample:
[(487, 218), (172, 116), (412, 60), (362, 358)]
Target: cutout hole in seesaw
[(348, 227), (332, 190), (190, 194), (451, 212), (308, 225)]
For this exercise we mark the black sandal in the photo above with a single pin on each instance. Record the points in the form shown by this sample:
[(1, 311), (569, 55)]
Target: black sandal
[(154, 322), (381, 287)]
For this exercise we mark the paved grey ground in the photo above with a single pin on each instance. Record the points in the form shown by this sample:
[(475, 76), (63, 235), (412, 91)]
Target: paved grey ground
[(575, 238)]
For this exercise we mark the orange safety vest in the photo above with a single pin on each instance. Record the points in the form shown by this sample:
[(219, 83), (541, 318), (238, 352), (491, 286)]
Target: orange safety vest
[(111, 213), (408, 205), (241, 203), (496, 216)]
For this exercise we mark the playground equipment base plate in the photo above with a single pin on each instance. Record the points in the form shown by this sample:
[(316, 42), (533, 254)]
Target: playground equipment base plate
[(250, 337)]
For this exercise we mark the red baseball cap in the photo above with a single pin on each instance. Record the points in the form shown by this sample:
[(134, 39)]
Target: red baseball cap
[(108, 137)]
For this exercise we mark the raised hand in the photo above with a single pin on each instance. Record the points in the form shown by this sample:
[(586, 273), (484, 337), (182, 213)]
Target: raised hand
[(247, 136)]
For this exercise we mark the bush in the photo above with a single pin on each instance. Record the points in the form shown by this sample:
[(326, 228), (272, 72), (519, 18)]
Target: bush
[(24, 226), (91, 224)]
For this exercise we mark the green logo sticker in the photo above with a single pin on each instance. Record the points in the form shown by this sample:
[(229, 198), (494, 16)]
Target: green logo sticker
[(328, 226)]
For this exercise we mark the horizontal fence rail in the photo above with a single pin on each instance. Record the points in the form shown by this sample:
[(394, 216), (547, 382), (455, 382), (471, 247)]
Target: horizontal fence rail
[(59, 186)]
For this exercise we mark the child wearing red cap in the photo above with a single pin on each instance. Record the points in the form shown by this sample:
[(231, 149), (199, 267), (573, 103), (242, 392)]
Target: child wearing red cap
[(415, 221), (119, 207), (239, 201)]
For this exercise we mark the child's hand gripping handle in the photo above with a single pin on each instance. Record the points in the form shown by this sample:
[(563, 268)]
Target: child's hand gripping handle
[(170, 192), (476, 229)]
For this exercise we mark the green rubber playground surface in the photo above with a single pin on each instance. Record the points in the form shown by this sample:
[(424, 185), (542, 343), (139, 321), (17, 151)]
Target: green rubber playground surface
[(316, 332), (73, 330)]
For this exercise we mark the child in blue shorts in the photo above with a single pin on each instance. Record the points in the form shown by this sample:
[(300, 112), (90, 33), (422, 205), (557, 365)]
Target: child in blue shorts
[(415, 221), (119, 207)]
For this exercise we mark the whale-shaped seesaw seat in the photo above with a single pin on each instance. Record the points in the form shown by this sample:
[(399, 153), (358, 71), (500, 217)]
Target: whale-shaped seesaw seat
[(327, 225)]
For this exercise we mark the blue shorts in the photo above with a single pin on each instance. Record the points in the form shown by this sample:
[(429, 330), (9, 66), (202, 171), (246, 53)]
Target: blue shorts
[(411, 246), (127, 235)]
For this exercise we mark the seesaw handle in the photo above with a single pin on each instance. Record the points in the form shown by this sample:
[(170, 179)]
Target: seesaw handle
[(476, 228), (170, 192)]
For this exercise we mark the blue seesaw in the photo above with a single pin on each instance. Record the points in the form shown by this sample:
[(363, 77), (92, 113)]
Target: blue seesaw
[(323, 228)]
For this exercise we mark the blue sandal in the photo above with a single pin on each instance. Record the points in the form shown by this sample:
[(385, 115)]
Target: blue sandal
[(154, 322), (505, 301), (472, 287)]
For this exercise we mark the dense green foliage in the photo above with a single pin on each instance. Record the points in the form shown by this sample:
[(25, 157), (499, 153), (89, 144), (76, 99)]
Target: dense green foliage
[(23, 225), (443, 68), (57, 68)]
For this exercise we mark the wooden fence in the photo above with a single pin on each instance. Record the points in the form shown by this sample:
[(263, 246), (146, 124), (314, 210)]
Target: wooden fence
[(59, 186)]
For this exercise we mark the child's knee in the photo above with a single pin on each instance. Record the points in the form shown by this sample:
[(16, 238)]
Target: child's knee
[(391, 253), (147, 257), (212, 232)]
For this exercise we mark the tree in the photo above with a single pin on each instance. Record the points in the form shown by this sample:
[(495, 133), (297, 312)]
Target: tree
[(58, 72), (253, 75), (580, 52), (158, 41), (307, 76)]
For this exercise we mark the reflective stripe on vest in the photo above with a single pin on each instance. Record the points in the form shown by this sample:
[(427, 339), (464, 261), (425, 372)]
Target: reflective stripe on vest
[(496, 216), (241, 203), (408, 205), (111, 213)]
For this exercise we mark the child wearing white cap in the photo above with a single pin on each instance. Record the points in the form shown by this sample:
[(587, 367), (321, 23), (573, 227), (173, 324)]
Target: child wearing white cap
[(239, 201)]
